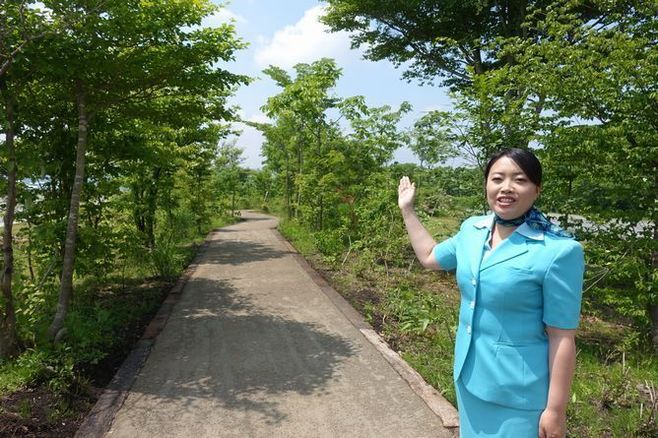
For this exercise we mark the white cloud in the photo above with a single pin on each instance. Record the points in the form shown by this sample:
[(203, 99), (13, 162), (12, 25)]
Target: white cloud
[(251, 139), (305, 41), (223, 15), (259, 118), (434, 107), (41, 9)]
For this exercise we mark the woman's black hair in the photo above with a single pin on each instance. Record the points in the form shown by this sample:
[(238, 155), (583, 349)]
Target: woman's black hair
[(525, 159)]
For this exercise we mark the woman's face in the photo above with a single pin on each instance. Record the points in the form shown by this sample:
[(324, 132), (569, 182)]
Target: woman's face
[(510, 193)]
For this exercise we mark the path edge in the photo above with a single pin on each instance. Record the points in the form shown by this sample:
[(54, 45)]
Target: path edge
[(441, 407), (98, 421)]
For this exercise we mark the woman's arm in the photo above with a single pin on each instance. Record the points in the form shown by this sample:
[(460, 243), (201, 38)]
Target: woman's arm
[(561, 365), (421, 240)]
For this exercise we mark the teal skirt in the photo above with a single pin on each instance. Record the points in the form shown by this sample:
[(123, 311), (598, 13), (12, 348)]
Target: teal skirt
[(479, 418)]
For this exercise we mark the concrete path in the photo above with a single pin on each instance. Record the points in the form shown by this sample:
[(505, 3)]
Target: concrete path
[(255, 347)]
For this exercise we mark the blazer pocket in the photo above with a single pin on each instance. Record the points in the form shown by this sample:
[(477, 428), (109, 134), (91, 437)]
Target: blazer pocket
[(523, 374), (513, 270)]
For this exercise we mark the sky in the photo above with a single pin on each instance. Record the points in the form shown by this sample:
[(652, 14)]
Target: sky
[(284, 33)]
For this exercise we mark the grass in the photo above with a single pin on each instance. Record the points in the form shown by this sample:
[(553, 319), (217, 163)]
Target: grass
[(615, 387), (26, 368)]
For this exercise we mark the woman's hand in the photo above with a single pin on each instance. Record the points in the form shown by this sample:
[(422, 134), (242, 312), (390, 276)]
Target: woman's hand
[(422, 241), (406, 193), (552, 424)]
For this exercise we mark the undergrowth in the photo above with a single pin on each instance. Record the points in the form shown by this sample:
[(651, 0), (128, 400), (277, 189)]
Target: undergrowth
[(107, 316)]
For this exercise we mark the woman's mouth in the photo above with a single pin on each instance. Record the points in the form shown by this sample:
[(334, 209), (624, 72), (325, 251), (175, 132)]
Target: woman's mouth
[(505, 200)]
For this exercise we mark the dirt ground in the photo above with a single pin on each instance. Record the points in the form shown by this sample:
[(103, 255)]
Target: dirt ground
[(37, 412)]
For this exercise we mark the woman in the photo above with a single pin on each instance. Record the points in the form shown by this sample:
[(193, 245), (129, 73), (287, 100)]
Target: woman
[(520, 279)]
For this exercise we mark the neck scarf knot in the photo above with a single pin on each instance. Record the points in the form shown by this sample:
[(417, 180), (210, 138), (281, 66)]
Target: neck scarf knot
[(535, 220)]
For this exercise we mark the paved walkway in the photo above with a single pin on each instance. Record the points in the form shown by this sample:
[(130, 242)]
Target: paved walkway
[(257, 347)]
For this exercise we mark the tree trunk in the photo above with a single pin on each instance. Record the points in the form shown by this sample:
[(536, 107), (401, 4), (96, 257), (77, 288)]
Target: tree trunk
[(653, 314), (139, 215), (300, 164), (8, 338), (478, 67), (653, 306), (66, 286), (321, 198), (152, 206), (287, 183)]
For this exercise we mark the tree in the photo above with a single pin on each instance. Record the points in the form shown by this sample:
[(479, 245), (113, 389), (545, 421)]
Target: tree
[(452, 40), (122, 52), (600, 81), (430, 138), (20, 25), (302, 106), (324, 170), (228, 171), (362, 154), (277, 150), (460, 43)]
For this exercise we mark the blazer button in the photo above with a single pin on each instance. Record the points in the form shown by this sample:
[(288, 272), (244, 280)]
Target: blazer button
[(474, 282), (468, 329), (472, 305)]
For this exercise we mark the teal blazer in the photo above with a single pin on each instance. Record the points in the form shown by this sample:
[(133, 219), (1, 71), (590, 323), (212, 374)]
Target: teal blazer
[(529, 281)]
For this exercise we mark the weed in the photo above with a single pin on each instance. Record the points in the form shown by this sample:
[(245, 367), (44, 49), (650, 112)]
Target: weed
[(24, 409), (166, 259), (60, 410)]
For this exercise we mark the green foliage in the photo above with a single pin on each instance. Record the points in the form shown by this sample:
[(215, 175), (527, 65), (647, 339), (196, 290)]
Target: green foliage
[(436, 39), (154, 94), (613, 396), (430, 140), (380, 231), (26, 369), (31, 300), (320, 170), (166, 259), (416, 312), (330, 243), (598, 81), (301, 238)]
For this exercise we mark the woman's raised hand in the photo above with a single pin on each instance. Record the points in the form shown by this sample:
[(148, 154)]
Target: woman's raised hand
[(406, 193)]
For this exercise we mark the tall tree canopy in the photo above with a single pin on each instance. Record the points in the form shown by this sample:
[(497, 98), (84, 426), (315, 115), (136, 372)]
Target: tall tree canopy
[(448, 39), (97, 83)]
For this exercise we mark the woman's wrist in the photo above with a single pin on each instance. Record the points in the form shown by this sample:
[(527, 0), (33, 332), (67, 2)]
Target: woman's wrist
[(557, 409)]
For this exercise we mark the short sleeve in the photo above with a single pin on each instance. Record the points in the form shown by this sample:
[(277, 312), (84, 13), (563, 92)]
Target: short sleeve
[(445, 254), (563, 287)]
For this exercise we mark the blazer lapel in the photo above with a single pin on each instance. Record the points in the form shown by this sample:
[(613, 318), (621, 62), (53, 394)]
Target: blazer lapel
[(482, 229), (513, 246)]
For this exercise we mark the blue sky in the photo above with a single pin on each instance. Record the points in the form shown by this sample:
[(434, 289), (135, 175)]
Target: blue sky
[(284, 33)]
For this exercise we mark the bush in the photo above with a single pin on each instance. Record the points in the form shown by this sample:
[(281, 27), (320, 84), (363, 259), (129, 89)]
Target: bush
[(167, 259), (31, 301), (330, 243)]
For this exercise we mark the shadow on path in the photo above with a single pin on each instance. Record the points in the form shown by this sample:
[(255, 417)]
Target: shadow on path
[(219, 347), (237, 252)]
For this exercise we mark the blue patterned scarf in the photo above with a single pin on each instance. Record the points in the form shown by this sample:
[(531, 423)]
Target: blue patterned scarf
[(535, 220)]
